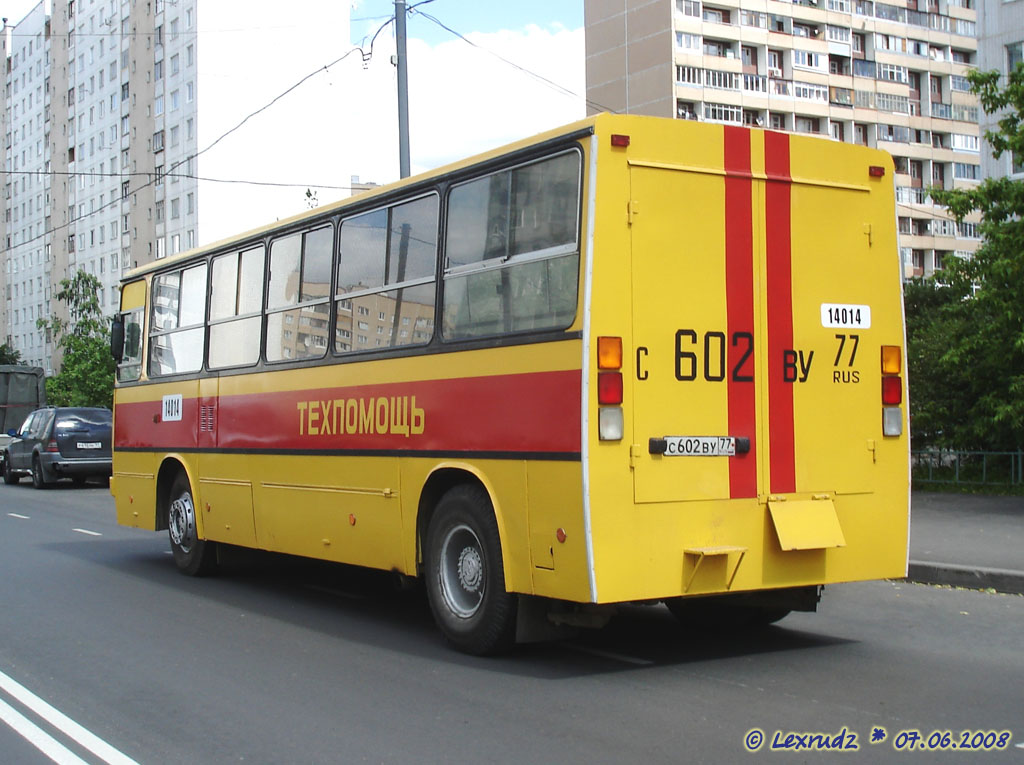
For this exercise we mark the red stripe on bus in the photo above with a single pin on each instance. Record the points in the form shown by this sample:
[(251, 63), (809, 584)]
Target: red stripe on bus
[(533, 412), (778, 222), (739, 287)]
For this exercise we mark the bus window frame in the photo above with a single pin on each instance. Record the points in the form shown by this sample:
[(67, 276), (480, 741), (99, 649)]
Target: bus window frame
[(508, 261), (237, 252), (268, 240), (439, 185), (180, 268), (438, 192)]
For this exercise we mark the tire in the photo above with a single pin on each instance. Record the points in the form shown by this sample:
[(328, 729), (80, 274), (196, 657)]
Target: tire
[(193, 556), (38, 476), (713, 615), (465, 577), (9, 478)]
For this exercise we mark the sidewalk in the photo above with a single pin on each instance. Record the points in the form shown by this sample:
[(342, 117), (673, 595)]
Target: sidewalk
[(967, 540)]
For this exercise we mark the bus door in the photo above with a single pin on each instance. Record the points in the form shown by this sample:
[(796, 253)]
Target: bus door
[(695, 356), (761, 299), (225, 485)]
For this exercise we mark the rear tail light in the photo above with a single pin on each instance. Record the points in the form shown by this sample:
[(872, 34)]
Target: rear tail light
[(609, 423), (892, 390), (609, 389), (51, 446), (892, 420)]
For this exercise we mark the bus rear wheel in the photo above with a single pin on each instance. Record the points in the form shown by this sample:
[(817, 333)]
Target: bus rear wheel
[(193, 556), (465, 576)]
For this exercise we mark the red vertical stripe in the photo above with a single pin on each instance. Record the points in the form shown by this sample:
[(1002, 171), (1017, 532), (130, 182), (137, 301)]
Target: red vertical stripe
[(739, 288), (778, 222)]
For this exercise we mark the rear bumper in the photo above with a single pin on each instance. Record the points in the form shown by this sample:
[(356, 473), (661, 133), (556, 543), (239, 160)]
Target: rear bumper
[(57, 466)]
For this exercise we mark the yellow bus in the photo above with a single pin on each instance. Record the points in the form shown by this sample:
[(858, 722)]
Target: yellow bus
[(632, 359)]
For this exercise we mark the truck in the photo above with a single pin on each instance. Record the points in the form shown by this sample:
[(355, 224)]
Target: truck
[(22, 391)]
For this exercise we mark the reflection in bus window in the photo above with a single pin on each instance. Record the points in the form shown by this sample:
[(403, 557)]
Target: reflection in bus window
[(236, 287), (512, 250), (386, 270), (298, 313), (176, 322)]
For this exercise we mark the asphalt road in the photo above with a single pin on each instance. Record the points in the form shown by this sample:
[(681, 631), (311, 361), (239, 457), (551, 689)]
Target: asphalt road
[(281, 661)]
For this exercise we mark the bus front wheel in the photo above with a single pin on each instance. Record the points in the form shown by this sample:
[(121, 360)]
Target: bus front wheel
[(193, 556), (465, 576)]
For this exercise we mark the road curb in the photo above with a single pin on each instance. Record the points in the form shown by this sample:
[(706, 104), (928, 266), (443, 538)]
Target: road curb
[(974, 577)]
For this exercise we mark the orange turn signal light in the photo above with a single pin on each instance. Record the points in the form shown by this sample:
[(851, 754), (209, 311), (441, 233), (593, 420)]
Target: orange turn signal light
[(892, 360), (609, 353)]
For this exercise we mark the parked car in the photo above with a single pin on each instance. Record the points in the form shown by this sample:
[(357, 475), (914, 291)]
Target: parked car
[(60, 442)]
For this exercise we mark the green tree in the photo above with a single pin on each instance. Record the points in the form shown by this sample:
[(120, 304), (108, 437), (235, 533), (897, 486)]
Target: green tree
[(966, 334), (86, 377), (9, 354)]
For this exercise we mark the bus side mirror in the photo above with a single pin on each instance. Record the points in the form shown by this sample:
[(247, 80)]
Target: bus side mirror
[(117, 338)]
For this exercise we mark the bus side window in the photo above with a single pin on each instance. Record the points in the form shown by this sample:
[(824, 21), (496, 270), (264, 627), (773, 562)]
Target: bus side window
[(177, 321), (386, 266), (236, 303), (512, 250), (298, 312)]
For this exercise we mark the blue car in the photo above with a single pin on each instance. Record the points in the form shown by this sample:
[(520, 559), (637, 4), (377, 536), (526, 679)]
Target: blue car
[(60, 442)]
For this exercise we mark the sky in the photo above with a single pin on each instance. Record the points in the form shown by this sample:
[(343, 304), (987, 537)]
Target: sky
[(342, 121)]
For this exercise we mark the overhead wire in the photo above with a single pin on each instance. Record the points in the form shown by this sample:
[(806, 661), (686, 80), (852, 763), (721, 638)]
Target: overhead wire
[(539, 77), (366, 55)]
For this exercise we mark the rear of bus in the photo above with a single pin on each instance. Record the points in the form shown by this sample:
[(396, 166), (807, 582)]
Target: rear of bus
[(746, 392)]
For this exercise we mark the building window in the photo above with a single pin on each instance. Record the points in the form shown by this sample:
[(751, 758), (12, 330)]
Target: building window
[(1014, 55)]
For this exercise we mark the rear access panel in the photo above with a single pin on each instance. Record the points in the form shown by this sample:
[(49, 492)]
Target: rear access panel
[(695, 332)]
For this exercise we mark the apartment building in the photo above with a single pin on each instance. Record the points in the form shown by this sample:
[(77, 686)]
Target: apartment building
[(881, 75), (100, 131), (1000, 46)]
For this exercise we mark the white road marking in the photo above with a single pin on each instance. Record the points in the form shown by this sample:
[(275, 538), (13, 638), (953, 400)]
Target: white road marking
[(90, 533), (39, 738), (61, 722), (19, 515)]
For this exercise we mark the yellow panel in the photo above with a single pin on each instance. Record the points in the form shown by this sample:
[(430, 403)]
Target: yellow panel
[(809, 524), (324, 507), (678, 252), (227, 511)]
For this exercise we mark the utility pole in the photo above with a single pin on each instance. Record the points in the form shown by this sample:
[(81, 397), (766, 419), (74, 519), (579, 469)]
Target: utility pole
[(403, 89)]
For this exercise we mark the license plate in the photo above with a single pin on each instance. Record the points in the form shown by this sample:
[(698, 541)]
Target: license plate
[(89, 445), (700, 446)]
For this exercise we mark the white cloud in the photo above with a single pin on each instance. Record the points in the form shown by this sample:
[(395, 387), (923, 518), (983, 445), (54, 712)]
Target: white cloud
[(462, 100), (344, 122)]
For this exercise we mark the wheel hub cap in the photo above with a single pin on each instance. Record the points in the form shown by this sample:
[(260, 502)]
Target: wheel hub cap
[(181, 522), (463, 575), (470, 569)]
